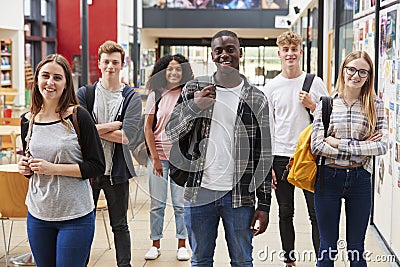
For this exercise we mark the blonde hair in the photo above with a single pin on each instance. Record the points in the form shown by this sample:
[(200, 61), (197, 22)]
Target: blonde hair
[(367, 94), (288, 38)]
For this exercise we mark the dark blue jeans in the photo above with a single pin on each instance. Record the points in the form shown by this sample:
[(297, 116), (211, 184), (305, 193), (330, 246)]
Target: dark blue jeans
[(202, 219), (117, 197), (60, 243), (354, 186), (285, 197)]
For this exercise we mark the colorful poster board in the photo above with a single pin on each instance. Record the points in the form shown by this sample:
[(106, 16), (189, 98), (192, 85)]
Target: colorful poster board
[(217, 4), (387, 168)]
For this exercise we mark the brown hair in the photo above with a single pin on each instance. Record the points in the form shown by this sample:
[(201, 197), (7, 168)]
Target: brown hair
[(288, 38), (109, 47), (68, 97)]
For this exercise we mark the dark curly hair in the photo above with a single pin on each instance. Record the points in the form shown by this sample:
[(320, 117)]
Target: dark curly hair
[(158, 81)]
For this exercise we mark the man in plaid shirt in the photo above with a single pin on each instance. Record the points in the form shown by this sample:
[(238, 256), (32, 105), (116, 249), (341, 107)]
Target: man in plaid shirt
[(227, 122)]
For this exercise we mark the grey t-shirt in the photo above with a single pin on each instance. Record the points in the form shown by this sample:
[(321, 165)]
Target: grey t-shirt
[(55, 197), (107, 105)]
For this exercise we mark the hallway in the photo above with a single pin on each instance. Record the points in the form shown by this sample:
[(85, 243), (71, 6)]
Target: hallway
[(266, 246)]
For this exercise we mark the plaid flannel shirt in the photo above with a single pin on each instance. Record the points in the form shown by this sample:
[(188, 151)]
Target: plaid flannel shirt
[(252, 144), (350, 125)]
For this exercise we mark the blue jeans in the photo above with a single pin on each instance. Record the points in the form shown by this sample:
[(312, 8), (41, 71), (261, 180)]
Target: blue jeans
[(158, 187), (202, 219), (354, 186), (61, 243), (117, 196)]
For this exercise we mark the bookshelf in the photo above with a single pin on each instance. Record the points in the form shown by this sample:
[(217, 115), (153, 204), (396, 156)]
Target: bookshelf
[(6, 63)]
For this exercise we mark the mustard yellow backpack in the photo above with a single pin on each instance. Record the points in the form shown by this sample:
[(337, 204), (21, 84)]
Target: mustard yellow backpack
[(302, 167)]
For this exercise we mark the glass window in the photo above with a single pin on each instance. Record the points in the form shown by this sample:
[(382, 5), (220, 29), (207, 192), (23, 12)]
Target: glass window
[(259, 64), (314, 41), (43, 10), (27, 8)]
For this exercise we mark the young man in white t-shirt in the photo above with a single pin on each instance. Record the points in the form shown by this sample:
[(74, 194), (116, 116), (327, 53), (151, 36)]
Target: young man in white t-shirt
[(288, 105), (227, 122)]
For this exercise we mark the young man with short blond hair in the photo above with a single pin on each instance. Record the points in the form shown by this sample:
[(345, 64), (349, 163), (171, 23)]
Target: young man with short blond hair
[(289, 111)]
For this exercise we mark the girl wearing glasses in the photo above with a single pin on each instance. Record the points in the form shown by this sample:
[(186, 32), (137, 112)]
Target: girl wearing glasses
[(357, 132)]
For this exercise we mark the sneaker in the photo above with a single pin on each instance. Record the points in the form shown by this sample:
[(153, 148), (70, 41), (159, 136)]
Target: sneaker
[(152, 254), (182, 254)]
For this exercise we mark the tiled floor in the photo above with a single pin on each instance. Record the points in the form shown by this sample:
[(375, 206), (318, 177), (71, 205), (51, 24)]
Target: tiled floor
[(269, 242)]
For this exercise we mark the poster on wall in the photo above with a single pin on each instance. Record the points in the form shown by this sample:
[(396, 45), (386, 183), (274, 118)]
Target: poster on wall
[(212, 4), (390, 38), (387, 167), (364, 30), (387, 2), (363, 7), (382, 43)]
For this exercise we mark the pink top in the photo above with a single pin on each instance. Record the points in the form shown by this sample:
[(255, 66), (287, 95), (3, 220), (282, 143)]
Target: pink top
[(165, 107)]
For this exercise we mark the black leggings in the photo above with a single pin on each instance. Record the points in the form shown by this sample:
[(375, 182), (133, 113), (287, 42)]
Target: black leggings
[(285, 197)]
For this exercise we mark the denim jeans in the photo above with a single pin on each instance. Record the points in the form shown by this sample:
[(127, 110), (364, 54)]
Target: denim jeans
[(60, 243), (285, 197), (202, 219), (158, 187), (354, 186), (117, 196)]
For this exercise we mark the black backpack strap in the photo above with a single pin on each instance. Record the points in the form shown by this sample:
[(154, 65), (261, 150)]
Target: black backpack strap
[(327, 103), (76, 125), (157, 102), (306, 87), (89, 95), (307, 82), (326, 112)]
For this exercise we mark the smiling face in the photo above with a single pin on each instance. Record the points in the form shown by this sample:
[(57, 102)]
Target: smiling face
[(173, 74), (226, 53), (351, 74), (51, 81), (110, 65), (290, 55)]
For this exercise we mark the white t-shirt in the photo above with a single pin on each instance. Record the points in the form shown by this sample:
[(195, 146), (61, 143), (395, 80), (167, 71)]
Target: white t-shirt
[(288, 116), (219, 165), (107, 105)]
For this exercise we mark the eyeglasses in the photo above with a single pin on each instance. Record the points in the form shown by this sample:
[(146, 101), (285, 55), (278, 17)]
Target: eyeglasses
[(361, 72)]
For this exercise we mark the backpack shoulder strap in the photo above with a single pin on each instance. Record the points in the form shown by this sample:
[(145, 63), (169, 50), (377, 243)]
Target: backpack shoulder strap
[(327, 103), (157, 96), (76, 125), (326, 112), (89, 95), (306, 87), (203, 81), (308, 81)]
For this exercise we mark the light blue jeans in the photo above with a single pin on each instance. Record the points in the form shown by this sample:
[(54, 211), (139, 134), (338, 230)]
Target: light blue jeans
[(158, 187)]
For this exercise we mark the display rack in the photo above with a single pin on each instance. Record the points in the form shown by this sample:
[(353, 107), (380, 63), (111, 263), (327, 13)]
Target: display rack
[(6, 63)]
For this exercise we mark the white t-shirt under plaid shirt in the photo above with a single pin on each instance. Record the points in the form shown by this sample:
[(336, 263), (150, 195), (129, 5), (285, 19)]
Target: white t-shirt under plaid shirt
[(349, 124)]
